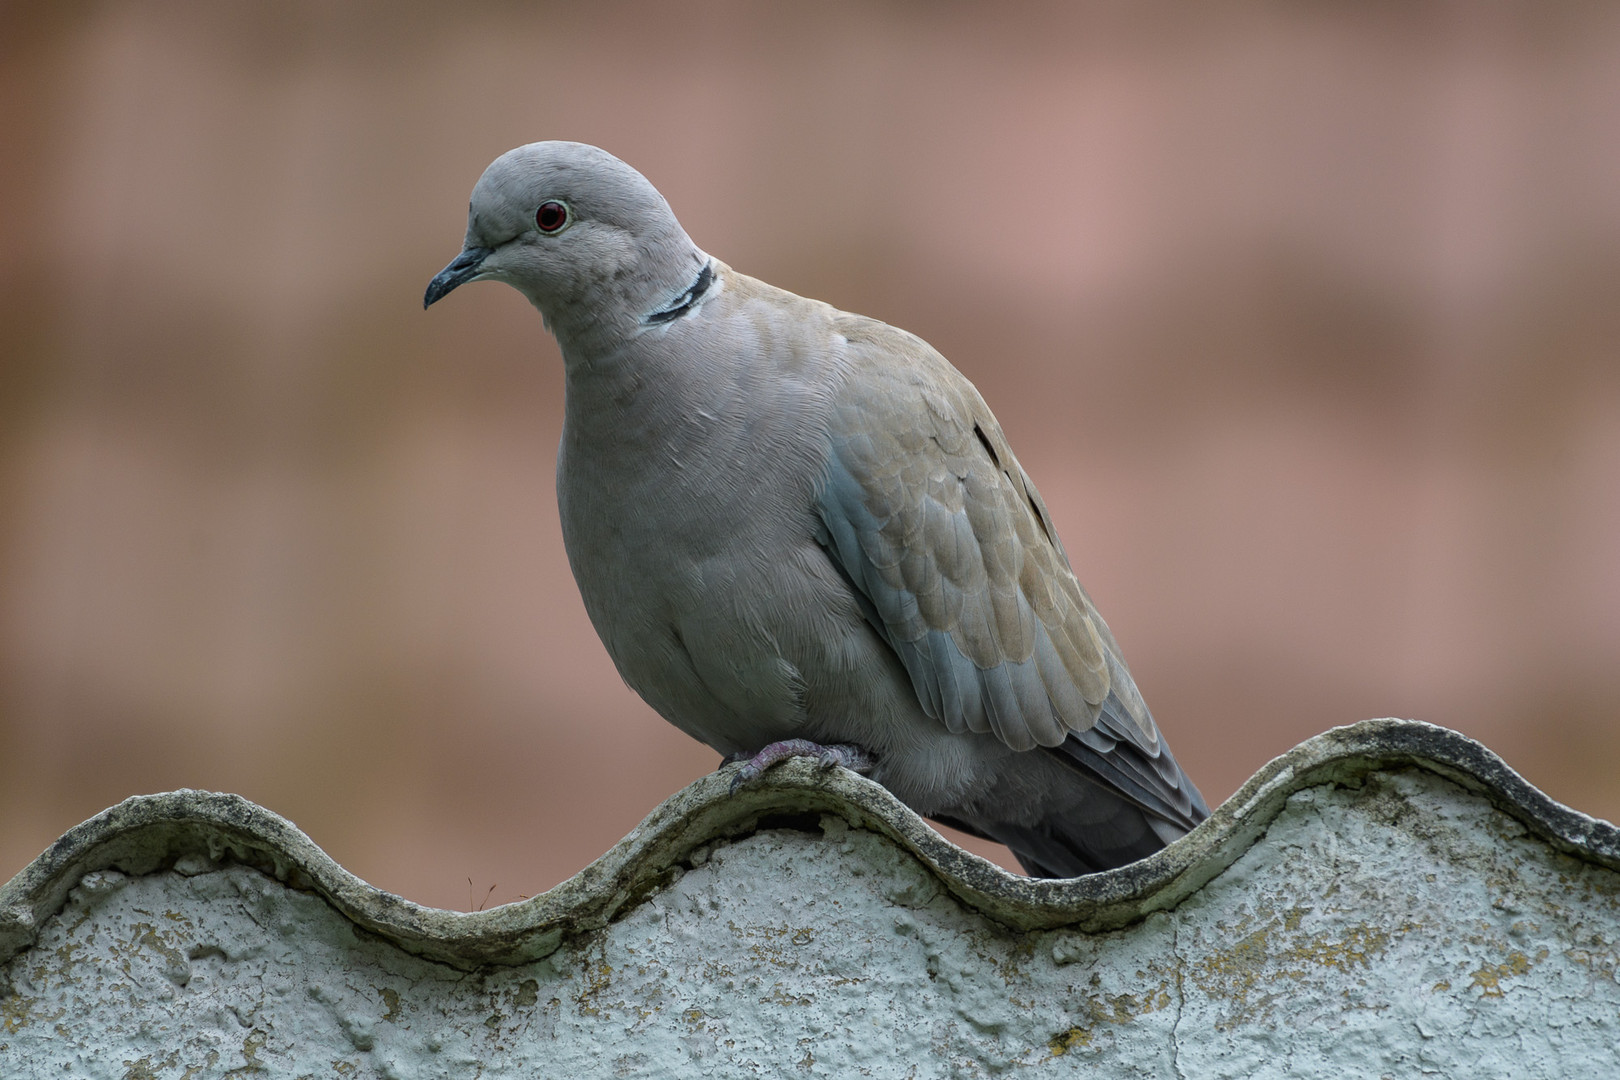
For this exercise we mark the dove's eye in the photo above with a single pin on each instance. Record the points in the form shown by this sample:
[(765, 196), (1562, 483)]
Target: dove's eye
[(551, 216)]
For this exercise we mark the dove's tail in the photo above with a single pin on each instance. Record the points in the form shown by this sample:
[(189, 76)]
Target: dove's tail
[(1064, 848), (1103, 802), (1101, 837)]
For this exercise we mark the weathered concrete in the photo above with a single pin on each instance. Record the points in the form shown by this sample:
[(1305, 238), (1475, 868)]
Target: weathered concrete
[(1385, 900)]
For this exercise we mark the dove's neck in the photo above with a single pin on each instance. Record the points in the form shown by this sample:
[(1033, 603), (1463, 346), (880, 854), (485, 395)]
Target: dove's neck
[(655, 363), (615, 309), (690, 376)]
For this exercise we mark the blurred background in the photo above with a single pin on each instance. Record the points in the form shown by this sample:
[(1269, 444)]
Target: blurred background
[(1304, 317)]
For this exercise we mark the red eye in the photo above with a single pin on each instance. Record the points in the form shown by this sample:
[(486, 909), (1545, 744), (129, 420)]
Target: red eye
[(551, 216)]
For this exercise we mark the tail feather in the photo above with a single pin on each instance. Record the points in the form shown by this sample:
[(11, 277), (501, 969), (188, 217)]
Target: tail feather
[(1065, 846), (1051, 849)]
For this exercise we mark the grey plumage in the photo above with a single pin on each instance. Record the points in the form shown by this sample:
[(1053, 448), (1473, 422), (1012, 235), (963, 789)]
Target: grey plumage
[(790, 522)]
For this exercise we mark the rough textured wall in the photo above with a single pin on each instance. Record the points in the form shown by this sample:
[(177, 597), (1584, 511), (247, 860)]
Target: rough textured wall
[(1386, 900)]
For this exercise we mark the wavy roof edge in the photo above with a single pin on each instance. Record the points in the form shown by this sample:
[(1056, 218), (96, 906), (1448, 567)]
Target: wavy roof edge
[(193, 830)]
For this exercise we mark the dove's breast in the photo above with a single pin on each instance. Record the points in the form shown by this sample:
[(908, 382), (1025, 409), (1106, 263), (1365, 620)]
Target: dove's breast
[(686, 481)]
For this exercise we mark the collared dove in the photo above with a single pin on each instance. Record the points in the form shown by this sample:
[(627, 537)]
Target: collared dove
[(801, 531)]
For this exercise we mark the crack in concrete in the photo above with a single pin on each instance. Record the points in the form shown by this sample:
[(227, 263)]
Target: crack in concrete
[(1181, 1000)]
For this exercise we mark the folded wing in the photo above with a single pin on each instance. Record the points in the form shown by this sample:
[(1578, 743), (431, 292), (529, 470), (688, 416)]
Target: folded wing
[(954, 558)]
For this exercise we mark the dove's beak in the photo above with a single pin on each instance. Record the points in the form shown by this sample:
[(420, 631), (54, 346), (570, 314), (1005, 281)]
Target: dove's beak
[(462, 269)]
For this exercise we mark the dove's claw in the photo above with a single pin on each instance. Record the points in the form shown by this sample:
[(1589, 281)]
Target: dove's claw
[(850, 757)]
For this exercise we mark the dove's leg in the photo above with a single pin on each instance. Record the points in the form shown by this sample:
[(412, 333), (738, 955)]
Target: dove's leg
[(850, 757)]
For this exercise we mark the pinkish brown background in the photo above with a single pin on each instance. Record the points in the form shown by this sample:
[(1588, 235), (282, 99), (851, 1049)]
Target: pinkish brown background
[(1305, 318)]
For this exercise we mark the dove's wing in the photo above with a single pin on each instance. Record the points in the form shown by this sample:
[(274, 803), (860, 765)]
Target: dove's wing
[(953, 555)]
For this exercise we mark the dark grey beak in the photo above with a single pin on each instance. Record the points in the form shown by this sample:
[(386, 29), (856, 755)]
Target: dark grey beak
[(462, 269)]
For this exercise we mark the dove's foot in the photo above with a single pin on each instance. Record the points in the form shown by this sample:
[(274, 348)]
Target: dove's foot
[(850, 757)]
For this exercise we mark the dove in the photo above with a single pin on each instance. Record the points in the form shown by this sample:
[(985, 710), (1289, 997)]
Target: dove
[(801, 532)]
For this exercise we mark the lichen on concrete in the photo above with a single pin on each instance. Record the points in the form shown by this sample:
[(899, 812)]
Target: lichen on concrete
[(1380, 903)]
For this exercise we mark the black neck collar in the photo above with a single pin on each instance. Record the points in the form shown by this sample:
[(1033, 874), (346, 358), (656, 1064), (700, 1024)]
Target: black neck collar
[(683, 303)]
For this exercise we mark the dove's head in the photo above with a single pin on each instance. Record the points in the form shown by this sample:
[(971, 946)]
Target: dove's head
[(581, 234)]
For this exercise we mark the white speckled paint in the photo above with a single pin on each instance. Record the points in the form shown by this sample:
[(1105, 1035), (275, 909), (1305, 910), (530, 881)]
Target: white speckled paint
[(1397, 928)]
